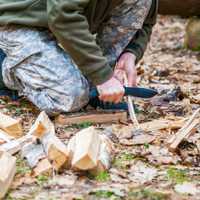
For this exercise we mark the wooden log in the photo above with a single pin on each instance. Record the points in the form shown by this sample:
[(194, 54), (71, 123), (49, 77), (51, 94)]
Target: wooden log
[(188, 129), (14, 146), (33, 153), (56, 152), (42, 126), (44, 167), (11, 126), (7, 172), (177, 7), (87, 147), (98, 118), (4, 136)]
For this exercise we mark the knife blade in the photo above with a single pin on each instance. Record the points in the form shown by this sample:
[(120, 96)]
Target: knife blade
[(130, 91)]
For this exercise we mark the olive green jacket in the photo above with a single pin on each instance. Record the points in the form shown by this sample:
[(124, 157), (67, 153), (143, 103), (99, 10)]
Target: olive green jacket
[(73, 22)]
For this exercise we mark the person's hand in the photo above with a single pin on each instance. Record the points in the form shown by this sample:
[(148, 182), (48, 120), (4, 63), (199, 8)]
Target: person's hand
[(111, 91), (126, 65)]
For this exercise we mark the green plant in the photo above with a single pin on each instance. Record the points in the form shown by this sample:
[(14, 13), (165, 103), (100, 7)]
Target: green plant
[(146, 194), (121, 159), (177, 175), (41, 180), (22, 168), (103, 177)]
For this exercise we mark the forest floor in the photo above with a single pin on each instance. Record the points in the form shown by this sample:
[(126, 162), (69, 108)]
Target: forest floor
[(139, 172)]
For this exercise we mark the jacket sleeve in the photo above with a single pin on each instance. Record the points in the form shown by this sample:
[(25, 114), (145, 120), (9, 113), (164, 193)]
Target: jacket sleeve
[(69, 25), (139, 42)]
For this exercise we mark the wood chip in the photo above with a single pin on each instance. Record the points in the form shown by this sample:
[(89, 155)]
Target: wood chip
[(188, 129)]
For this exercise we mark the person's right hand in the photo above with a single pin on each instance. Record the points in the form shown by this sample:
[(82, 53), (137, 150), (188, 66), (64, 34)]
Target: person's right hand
[(111, 91)]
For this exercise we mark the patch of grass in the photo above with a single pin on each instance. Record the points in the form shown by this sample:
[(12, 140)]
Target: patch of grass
[(105, 194), (22, 168), (146, 194), (103, 177), (177, 176), (121, 159), (81, 125), (41, 180)]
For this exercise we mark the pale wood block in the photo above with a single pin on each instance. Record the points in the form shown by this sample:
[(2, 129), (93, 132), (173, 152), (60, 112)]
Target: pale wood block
[(14, 146), (11, 126), (56, 151), (44, 167), (7, 172), (42, 126), (87, 147), (33, 153)]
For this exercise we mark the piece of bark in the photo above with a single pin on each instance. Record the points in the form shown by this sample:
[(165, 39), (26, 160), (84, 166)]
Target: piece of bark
[(33, 153), (7, 172), (87, 147), (188, 129), (108, 117), (42, 126), (44, 167), (56, 151), (11, 126)]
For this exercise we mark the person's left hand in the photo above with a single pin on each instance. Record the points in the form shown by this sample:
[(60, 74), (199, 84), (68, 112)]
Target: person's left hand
[(126, 65)]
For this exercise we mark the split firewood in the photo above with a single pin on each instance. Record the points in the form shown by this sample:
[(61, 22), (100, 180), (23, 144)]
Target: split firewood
[(87, 147), (44, 167), (41, 126), (4, 137), (56, 151), (7, 172), (33, 153), (11, 126), (90, 151), (98, 118), (186, 131), (14, 146)]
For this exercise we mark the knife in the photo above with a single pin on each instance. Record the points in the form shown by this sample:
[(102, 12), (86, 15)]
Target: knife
[(130, 91)]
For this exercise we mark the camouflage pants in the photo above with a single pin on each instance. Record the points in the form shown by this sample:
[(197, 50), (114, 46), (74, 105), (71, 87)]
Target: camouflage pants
[(40, 70)]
